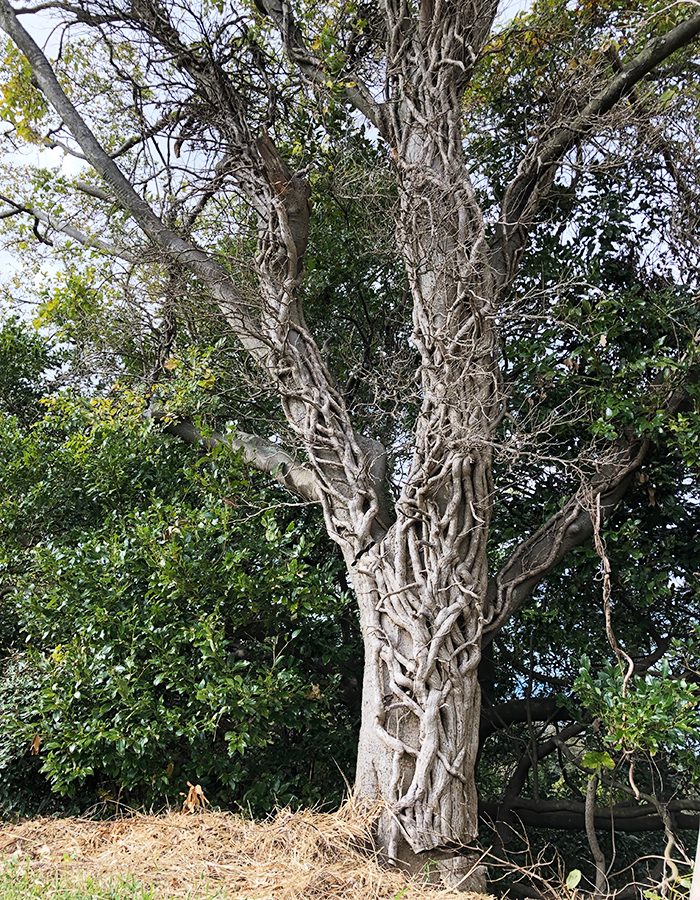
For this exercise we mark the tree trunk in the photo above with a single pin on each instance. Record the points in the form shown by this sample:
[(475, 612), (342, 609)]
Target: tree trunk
[(421, 605), (422, 589)]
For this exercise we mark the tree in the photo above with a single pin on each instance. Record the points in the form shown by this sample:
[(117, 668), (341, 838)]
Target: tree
[(431, 79)]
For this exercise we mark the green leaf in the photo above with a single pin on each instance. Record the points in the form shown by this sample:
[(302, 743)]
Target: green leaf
[(595, 759), (573, 879)]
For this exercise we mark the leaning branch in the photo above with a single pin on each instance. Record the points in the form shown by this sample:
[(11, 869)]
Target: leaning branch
[(570, 527), (201, 264), (87, 240), (256, 451), (537, 169)]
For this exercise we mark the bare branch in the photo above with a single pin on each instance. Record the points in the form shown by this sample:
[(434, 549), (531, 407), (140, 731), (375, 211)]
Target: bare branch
[(136, 139), (570, 527), (54, 144), (87, 240), (93, 191), (261, 454)]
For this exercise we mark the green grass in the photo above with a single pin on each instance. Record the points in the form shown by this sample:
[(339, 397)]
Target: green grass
[(17, 882)]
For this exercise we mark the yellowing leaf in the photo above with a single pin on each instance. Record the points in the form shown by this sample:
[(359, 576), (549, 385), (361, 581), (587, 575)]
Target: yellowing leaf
[(195, 798), (573, 878)]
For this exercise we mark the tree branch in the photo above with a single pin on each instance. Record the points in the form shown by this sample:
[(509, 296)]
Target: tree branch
[(503, 715), (197, 261), (135, 139), (570, 815), (572, 526), (256, 451), (54, 144), (87, 240), (537, 169), (93, 191), (311, 67)]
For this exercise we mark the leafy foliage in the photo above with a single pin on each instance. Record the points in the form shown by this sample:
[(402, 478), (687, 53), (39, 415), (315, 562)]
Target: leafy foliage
[(655, 712), (165, 619)]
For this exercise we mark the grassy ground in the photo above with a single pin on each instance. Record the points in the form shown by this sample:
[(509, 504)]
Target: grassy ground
[(18, 882)]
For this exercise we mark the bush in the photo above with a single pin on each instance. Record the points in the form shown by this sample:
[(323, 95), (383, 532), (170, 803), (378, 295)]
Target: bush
[(171, 620)]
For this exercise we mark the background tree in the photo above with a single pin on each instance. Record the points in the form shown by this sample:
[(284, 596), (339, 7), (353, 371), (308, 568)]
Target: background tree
[(595, 102)]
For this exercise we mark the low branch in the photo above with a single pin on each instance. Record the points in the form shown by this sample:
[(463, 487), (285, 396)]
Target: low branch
[(516, 712), (569, 815), (259, 453), (571, 527)]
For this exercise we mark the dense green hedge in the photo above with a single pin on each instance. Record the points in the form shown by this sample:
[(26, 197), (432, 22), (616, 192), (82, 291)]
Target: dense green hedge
[(165, 618)]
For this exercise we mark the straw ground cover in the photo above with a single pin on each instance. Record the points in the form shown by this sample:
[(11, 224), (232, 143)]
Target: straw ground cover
[(205, 855)]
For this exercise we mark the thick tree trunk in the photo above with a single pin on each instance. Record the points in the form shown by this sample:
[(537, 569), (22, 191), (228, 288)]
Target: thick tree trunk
[(421, 606), (422, 589)]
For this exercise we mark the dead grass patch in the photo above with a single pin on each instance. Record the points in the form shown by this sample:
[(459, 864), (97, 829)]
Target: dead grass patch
[(294, 856)]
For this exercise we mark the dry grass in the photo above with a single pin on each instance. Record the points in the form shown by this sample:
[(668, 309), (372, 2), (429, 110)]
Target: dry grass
[(293, 856)]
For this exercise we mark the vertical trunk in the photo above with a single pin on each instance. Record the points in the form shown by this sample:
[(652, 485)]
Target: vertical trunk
[(422, 588), (421, 608), (421, 706)]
